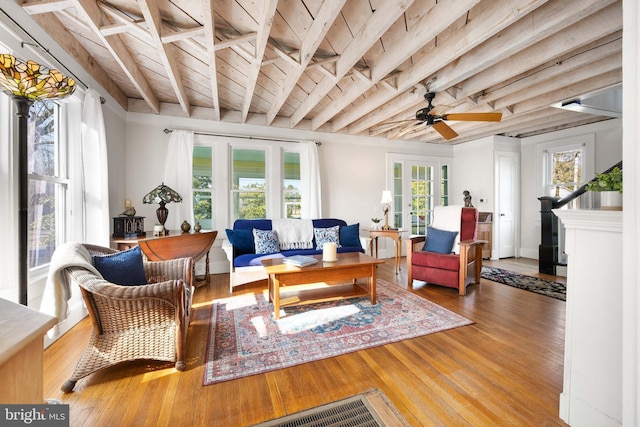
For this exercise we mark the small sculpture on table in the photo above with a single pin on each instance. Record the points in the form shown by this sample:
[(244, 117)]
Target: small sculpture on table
[(467, 199)]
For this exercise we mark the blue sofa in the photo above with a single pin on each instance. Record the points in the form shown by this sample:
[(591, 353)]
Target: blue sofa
[(246, 265)]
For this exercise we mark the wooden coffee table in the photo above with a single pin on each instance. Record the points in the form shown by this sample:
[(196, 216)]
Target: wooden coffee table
[(352, 275)]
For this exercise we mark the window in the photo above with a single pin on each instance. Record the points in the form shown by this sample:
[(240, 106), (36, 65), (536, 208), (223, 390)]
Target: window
[(248, 186), (291, 185), (397, 195), (565, 172), (444, 189), (47, 183), (203, 186)]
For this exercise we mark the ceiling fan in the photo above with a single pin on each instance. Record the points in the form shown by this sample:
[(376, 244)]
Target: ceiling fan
[(436, 117)]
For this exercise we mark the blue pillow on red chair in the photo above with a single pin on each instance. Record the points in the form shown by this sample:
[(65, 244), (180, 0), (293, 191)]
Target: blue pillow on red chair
[(440, 241)]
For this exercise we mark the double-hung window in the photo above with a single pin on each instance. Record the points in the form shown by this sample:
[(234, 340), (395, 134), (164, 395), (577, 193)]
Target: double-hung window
[(249, 183), (48, 183), (291, 184)]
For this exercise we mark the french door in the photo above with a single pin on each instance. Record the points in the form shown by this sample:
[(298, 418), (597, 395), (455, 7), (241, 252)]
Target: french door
[(418, 186)]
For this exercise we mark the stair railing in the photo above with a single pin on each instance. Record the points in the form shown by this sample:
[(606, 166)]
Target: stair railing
[(548, 249)]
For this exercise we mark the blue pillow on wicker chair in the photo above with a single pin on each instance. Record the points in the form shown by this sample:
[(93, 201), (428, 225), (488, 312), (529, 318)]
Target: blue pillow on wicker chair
[(122, 268), (440, 241)]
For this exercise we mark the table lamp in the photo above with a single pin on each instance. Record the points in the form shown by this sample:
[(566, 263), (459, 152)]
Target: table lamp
[(27, 82), (386, 201), (162, 194)]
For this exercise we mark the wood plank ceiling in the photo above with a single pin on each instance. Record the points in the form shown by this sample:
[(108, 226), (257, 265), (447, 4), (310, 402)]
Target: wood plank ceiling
[(347, 66)]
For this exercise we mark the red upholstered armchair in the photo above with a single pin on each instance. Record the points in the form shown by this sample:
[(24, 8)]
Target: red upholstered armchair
[(452, 269)]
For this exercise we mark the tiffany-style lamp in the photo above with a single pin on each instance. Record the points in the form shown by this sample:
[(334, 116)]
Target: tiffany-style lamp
[(162, 194), (27, 82)]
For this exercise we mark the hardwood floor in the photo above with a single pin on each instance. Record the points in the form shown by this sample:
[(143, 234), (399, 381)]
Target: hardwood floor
[(504, 370)]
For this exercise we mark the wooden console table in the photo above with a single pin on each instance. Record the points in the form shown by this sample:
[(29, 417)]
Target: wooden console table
[(396, 235), (179, 245)]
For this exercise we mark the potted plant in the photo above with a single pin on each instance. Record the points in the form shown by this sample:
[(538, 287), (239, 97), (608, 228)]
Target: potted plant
[(609, 185), (375, 223)]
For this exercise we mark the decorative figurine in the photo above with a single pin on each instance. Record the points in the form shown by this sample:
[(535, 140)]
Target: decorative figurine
[(467, 199), (185, 227), (197, 227)]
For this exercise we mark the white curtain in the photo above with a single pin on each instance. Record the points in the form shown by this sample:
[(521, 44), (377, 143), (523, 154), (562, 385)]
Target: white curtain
[(95, 172), (178, 174), (310, 181)]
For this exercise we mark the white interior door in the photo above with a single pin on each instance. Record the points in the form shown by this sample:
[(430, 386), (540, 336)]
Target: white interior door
[(507, 204)]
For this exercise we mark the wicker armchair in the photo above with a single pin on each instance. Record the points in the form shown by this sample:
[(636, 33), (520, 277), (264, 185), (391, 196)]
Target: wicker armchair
[(134, 322)]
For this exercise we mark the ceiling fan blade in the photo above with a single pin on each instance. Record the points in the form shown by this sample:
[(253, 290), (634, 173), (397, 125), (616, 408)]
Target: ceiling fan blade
[(474, 117), (439, 110), (444, 130)]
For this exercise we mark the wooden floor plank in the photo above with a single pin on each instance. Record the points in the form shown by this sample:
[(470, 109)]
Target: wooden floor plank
[(505, 369)]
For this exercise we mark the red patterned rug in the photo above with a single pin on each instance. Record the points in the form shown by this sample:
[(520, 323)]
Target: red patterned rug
[(244, 338)]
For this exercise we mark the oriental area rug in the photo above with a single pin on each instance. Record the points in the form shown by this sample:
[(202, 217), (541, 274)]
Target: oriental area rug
[(245, 339), (528, 283)]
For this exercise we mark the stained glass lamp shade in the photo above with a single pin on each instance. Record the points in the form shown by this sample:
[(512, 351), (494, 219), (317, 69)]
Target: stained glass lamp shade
[(162, 194), (26, 82), (28, 79)]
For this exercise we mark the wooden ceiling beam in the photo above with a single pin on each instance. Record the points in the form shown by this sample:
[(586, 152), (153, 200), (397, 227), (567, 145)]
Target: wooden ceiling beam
[(52, 25), (45, 6), (210, 35), (131, 25), (151, 14), (265, 21), (386, 14), (539, 75), (499, 17), (91, 14), (317, 32), (575, 35), (183, 34), (232, 41), (432, 23)]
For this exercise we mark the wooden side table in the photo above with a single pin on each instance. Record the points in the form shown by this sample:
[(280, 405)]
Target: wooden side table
[(395, 234), (21, 352), (179, 245)]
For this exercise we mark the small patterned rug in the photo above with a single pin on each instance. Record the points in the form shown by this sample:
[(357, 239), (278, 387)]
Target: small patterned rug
[(533, 284), (244, 338)]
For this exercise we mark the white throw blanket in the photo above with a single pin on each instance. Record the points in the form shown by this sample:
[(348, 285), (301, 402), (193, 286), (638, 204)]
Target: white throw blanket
[(293, 233), (449, 218), (57, 291)]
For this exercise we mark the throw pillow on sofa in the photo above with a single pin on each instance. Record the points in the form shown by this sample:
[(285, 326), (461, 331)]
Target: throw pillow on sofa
[(440, 241), (242, 240), (122, 268), (327, 235), (266, 241), (350, 236)]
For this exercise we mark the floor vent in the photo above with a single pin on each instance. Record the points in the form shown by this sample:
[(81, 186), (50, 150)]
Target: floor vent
[(352, 412)]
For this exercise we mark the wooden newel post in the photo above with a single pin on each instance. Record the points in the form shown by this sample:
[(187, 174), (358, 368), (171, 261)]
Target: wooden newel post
[(548, 249)]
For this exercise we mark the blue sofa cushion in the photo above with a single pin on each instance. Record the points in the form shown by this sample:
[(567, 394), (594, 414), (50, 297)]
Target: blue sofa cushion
[(242, 240), (266, 241), (350, 236), (327, 235), (440, 241), (122, 268)]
